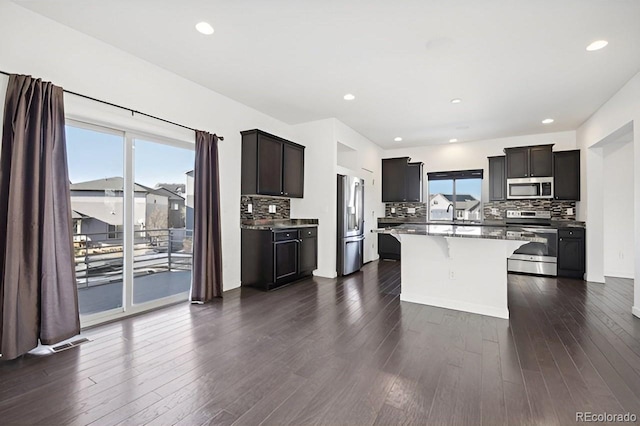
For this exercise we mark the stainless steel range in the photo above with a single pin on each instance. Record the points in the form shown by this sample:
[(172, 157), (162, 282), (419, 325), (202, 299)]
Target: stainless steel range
[(533, 258)]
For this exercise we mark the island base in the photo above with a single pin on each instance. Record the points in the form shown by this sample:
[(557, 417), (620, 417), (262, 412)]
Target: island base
[(465, 274)]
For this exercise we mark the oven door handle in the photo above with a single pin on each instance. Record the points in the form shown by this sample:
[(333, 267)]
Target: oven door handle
[(539, 230)]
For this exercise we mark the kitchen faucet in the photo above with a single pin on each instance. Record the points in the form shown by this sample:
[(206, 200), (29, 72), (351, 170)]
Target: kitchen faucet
[(449, 206)]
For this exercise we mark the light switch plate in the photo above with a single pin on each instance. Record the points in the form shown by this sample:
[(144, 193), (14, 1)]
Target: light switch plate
[(272, 208), (393, 210), (411, 210), (249, 208), (570, 211)]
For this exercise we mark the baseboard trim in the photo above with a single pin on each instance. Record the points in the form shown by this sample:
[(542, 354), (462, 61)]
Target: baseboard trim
[(636, 311), (619, 274), (456, 305), (592, 278)]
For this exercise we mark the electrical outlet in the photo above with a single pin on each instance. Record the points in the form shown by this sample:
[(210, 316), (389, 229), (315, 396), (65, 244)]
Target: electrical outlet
[(393, 210), (272, 208), (451, 275), (570, 211), (411, 210), (494, 211), (249, 208)]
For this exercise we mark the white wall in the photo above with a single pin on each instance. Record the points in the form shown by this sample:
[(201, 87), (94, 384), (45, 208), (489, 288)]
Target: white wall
[(623, 108), (473, 155), (618, 210), (32, 44), (320, 201), (319, 188)]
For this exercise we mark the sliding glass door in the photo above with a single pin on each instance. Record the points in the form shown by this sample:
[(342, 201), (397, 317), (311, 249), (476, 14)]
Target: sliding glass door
[(163, 221), (132, 217), (96, 174)]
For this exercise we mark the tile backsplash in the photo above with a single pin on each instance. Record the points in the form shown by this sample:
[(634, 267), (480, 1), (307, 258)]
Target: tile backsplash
[(558, 208), (401, 210), (260, 207)]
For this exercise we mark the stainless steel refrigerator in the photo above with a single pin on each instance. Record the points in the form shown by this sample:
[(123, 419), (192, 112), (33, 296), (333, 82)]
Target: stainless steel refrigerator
[(350, 224)]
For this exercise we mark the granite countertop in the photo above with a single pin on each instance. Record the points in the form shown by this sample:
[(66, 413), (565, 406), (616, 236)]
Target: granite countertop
[(555, 223), (270, 224), (463, 231)]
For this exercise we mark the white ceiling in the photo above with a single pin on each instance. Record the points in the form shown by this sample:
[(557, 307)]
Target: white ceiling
[(512, 62)]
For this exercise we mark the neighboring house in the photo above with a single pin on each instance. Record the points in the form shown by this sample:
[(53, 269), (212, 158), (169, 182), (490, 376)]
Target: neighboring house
[(98, 209), (175, 207), (190, 190), (466, 207), (176, 188)]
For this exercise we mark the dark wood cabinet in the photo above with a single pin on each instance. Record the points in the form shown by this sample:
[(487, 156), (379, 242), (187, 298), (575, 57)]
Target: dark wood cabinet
[(566, 175), (401, 180), (540, 161), (269, 159), (517, 160), (271, 165), (394, 175), (529, 161), (388, 246), (308, 256), (571, 252), (293, 171), (285, 260), (270, 259), (497, 178), (413, 182)]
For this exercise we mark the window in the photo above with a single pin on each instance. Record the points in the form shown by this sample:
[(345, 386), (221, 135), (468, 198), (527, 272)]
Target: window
[(114, 232), (175, 206), (455, 195)]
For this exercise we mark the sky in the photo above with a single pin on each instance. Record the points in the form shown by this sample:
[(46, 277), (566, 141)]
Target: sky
[(95, 155)]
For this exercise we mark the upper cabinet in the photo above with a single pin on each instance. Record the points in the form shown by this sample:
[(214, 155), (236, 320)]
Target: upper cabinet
[(497, 180), (529, 161), (271, 165), (401, 180), (413, 181), (566, 173)]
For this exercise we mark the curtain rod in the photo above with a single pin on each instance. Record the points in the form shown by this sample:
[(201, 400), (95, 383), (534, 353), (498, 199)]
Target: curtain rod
[(133, 111)]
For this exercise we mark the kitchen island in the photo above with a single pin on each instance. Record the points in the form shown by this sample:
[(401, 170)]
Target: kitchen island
[(457, 267)]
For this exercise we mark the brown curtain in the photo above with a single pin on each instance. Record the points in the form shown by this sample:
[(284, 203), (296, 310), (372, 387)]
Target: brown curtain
[(207, 248), (38, 298)]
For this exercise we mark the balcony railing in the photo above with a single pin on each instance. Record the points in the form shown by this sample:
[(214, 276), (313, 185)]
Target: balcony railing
[(99, 256)]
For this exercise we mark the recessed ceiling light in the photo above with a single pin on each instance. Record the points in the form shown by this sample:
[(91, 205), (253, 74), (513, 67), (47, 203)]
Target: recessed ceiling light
[(349, 97), (547, 121), (398, 139), (597, 45), (205, 28), (456, 100), (453, 140)]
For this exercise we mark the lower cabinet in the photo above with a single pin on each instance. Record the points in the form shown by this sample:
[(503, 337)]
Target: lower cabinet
[(571, 252), (308, 256), (271, 259), (388, 245)]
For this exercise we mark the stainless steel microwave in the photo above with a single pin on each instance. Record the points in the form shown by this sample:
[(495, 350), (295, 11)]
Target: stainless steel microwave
[(528, 188)]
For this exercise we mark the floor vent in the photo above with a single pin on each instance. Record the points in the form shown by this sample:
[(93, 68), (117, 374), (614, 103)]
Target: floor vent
[(69, 345)]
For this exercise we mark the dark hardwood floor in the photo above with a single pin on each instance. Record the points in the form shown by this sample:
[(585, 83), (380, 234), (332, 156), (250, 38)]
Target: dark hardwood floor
[(344, 351)]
